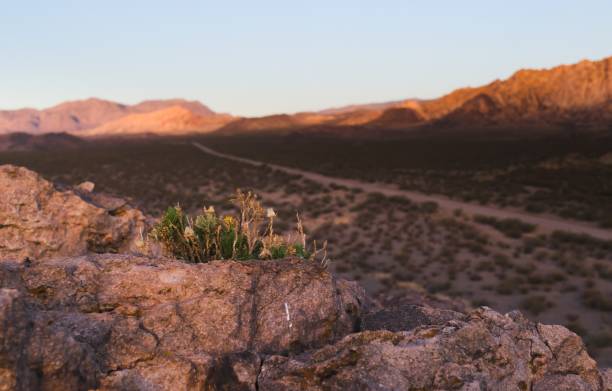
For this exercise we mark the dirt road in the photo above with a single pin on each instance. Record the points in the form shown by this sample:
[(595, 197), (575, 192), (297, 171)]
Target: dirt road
[(546, 223)]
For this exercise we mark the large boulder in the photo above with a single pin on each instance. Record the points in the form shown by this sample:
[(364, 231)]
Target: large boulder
[(484, 351), (121, 322), (127, 322), (39, 221)]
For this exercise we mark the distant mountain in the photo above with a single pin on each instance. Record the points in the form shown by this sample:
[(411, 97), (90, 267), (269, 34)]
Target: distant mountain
[(361, 107), (577, 96), (76, 117), (274, 122), (397, 118), (170, 120), (570, 97), (153, 105)]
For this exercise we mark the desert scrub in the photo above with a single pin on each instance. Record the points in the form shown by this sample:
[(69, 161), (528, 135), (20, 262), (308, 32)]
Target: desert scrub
[(250, 235), (512, 228)]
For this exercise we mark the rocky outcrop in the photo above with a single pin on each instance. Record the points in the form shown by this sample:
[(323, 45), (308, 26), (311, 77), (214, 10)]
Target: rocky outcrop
[(119, 322), (39, 221), (125, 322), (484, 351)]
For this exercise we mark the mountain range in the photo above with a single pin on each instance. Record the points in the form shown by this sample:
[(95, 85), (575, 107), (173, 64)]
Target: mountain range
[(566, 96), (97, 117), (577, 96)]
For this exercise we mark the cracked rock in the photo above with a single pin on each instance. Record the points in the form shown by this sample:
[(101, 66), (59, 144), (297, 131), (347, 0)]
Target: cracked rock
[(483, 351), (128, 322)]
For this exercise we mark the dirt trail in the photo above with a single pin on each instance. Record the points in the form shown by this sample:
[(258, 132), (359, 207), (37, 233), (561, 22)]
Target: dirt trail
[(547, 223)]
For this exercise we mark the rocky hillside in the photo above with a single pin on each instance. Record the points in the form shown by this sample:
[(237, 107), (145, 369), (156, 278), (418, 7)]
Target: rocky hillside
[(71, 319), (566, 97), (47, 141), (167, 121), (579, 93), (272, 123), (38, 221), (80, 116)]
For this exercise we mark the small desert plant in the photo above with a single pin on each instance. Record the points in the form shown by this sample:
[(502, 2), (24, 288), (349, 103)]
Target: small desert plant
[(536, 304), (594, 298), (250, 235), (512, 228)]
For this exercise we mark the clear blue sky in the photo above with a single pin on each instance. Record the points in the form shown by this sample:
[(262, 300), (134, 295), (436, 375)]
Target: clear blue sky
[(258, 56)]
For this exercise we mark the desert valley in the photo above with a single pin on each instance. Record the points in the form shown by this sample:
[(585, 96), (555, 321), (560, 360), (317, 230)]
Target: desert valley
[(498, 196)]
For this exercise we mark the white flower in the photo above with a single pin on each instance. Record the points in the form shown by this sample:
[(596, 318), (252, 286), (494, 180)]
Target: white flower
[(270, 213), (210, 210), (265, 253), (189, 233)]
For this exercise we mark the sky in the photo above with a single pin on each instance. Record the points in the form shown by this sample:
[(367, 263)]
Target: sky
[(261, 57)]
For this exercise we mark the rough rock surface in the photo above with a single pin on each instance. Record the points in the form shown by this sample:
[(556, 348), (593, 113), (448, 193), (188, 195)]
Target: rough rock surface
[(125, 322), (485, 351), (407, 317), (607, 379), (38, 221), (120, 322)]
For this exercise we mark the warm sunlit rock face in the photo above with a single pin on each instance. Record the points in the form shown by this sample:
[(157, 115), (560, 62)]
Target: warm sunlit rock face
[(39, 221), (581, 93), (171, 120), (78, 116), (578, 95)]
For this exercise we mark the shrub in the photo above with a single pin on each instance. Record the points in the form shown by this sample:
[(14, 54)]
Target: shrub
[(593, 298), (506, 286), (250, 235), (600, 340), (428, 207), (535, 304), (577, 328), (561, 239), (512, 228)]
